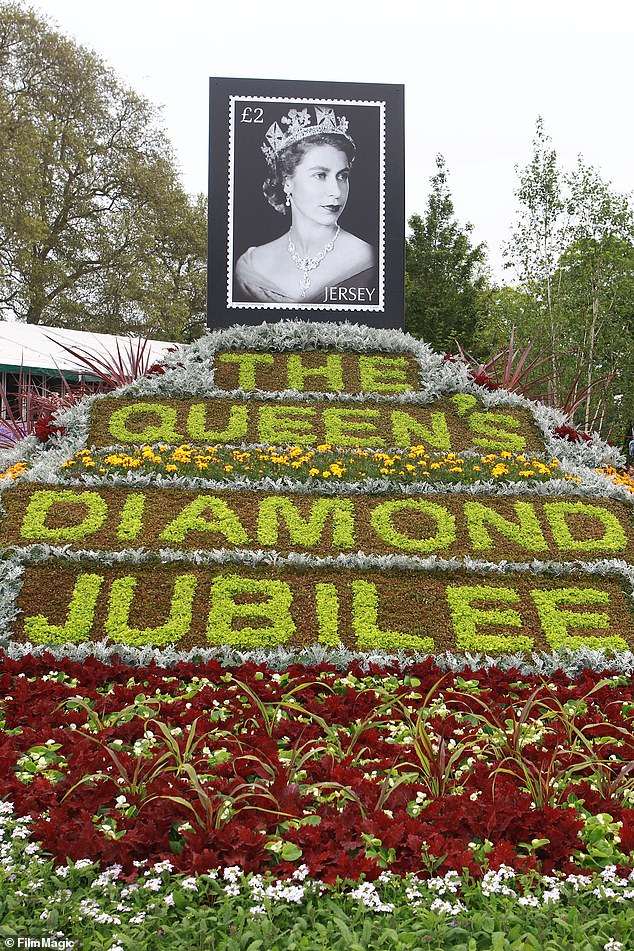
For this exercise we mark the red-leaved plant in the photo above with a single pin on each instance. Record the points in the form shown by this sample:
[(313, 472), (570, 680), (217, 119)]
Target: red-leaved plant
[(128, 362)]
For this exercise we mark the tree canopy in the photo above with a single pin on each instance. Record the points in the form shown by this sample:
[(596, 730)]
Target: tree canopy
[(445, 274), (96, 231), (572, 251)]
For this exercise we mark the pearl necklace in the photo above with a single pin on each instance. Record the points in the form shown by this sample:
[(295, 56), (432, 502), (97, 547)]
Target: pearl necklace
[(308, 264)]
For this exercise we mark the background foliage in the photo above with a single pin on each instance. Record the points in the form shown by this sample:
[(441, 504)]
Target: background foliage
[(97, 233)]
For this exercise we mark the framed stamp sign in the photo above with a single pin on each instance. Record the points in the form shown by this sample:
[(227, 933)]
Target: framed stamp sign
[(306, 202)]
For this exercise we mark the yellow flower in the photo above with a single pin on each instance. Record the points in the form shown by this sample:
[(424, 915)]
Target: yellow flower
[(17, 469)]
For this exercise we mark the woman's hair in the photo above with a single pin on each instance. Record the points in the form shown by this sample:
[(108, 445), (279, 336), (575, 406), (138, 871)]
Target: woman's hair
[(290, 157)]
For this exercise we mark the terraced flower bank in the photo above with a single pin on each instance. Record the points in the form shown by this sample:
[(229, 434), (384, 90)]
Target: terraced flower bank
[(311, 603), (412, 509)]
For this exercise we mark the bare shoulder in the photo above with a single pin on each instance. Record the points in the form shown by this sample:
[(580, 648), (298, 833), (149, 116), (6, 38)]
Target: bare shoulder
[(266, 256), (360, 254)]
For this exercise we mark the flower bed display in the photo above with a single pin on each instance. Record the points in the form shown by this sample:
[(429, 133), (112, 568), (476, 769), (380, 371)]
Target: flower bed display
[(312, 602), (417, 510)]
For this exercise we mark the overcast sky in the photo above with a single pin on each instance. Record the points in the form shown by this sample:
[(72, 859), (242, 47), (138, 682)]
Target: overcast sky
[(477, 73)]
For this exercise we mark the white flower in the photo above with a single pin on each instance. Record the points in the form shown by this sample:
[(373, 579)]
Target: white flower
[(169, 899), (446, 908), (154, 884), (613, 945), (83, 863), (366, 892), (300, 873), (531, 900), (190, 883)]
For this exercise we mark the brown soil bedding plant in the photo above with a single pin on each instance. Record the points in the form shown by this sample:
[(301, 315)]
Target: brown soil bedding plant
[(533, 553)]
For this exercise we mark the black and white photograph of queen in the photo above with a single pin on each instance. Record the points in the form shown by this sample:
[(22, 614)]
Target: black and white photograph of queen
[(322, 247)]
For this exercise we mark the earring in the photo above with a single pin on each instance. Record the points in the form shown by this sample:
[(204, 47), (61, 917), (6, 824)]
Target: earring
[(287, 192)]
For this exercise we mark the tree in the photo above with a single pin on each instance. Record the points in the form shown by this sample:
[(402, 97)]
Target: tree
[(573, 254), (445, 277), (94, 224)]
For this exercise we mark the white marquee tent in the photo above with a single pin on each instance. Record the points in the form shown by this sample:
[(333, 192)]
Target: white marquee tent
[(36, 349)]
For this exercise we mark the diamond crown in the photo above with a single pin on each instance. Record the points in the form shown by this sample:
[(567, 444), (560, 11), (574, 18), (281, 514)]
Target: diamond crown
[(300, 127)]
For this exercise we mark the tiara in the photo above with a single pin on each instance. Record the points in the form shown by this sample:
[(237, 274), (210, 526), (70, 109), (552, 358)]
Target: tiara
[(300, 127)]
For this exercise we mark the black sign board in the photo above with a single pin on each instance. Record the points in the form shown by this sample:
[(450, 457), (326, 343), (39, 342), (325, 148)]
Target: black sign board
[(306, 202)]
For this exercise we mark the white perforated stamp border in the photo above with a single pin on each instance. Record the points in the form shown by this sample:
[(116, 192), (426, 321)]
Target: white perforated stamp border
[(251, 101)]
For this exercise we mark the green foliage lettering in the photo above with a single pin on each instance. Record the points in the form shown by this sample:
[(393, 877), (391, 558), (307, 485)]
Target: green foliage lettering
[(331, 373), (527, 534), (306, 531), (117, 624), (365, 604), (613, 538), (464, 402), (279, 425), (41, 502), (556, 622), (164, 430), (381, 374), (444, 524), (225, 522), (131, 520), (493, 429), (327, 605), (247, 363), (409, 432), (343, 427), (225, 608), (80, 619), (466, 619), (235, 431)]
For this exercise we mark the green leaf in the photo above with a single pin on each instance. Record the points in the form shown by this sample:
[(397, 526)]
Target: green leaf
[(290, 852)]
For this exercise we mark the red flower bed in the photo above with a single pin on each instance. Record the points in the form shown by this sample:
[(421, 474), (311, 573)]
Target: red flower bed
[(348, 773)]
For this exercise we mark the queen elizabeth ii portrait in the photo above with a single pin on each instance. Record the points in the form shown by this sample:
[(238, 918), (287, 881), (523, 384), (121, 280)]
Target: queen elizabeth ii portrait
[(310, 156), (306, 202)]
